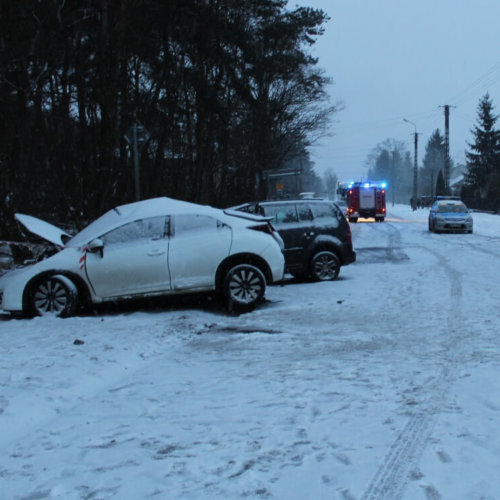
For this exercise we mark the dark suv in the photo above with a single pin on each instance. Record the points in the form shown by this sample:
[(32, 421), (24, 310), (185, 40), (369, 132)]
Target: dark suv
[(316, 234)]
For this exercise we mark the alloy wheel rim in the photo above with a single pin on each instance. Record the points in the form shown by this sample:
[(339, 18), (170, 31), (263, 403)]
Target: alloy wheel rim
[(245, 286), (325, 268), (50, 298)]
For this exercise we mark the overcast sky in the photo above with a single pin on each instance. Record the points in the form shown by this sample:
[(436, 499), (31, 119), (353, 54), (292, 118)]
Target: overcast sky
[(395, 59)]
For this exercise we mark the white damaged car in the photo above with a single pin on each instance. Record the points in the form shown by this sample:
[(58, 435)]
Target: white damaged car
[(149, 248)]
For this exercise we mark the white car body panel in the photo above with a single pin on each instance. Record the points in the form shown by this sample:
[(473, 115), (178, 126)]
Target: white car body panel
[(14, 282), (150, 266), (129, 269), (43, 229), (193, 257)]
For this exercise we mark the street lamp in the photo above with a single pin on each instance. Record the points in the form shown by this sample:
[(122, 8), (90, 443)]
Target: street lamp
[(415, 164)]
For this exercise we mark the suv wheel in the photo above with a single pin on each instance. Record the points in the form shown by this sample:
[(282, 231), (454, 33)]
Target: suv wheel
[(325, 266), (244, 287)]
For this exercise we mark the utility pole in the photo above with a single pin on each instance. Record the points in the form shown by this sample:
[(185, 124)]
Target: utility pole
[(447, 148), (135, 149), (137, 136), (415, 162)]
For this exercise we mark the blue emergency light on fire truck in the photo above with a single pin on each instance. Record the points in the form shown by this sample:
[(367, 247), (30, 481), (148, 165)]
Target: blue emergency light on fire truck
[(366, 200)]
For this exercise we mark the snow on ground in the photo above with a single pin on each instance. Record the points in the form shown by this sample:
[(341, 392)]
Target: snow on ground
[(383, 384)]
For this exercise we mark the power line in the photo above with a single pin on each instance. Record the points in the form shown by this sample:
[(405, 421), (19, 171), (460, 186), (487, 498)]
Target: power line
[(491, 76)]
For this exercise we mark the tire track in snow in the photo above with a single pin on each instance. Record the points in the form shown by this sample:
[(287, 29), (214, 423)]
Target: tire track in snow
[(393, 474), (488, 251), (391, 252)]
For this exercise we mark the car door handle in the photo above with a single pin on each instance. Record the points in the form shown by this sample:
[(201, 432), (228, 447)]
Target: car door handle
[(154, 253)]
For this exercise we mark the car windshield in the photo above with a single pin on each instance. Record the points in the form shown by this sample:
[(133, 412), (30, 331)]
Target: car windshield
[(452, 207)]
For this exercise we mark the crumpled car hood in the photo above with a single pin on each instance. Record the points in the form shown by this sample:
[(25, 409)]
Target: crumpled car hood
[(43, 229)]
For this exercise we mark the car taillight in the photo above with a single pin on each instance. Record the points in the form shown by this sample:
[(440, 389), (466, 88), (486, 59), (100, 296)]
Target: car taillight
[(265, 228), (269, 229), (349, 236)]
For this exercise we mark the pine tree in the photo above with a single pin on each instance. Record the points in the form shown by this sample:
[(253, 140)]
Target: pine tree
[(433, 163), (226, 90), (440, 185), (483, 158)]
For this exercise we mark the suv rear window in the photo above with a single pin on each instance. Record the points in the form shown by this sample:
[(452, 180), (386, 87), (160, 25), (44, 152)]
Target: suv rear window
[(323, 210), (288, 213), (305, 213), (282, 214)]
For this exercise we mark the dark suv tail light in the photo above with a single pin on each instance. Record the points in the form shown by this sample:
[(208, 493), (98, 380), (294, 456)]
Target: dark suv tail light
[(348, 234)]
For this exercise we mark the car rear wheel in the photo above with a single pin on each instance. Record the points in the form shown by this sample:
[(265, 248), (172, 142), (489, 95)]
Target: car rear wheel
[(325, 266), (244, 287), (54, 295)]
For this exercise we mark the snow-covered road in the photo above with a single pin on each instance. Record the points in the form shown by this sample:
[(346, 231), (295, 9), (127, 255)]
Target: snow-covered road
[(381, 385)]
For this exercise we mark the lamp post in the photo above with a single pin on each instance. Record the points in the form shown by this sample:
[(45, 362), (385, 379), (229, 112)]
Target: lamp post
[(415, 161)]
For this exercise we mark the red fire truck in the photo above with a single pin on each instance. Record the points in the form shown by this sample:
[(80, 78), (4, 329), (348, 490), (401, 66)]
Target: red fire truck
[(365, 200)]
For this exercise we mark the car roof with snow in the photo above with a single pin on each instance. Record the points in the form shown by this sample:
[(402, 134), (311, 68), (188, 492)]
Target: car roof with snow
[(148, 208), (123, 214)]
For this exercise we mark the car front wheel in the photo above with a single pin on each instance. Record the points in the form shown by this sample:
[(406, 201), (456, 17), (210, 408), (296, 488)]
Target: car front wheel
[(54, 295), (244, 287), (325, 266)]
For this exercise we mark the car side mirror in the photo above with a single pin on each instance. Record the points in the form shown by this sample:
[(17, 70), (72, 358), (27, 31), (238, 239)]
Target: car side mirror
[(96, 246)]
